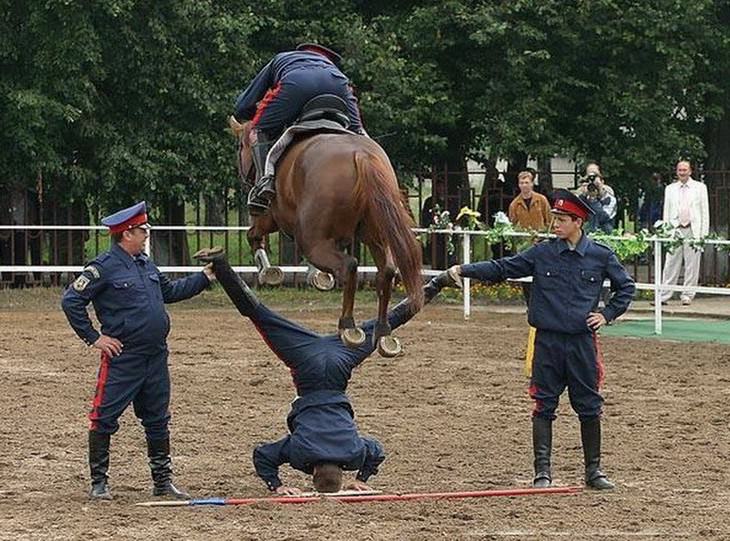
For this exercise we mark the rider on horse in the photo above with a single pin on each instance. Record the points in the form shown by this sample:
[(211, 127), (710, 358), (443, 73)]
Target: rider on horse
[(274, 99)]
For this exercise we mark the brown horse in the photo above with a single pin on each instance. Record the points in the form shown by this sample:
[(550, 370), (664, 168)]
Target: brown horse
[(331, 188)]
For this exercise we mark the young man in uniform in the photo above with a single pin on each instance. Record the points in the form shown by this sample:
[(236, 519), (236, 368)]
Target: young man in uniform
[(323, 439), (568, 273), (129, 293)]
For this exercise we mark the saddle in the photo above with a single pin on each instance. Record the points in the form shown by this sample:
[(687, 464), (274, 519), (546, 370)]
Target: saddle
[(325, 113), (325, 107)]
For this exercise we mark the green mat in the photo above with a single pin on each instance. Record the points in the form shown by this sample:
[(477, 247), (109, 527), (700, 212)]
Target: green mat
[(681, 330)]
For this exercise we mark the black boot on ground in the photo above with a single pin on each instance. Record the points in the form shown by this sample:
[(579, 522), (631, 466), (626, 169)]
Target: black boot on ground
[(590, 433), (99, 465), (542, 443), (158, 452)]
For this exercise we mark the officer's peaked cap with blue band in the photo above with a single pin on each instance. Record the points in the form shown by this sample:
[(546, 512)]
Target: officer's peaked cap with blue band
[(129, 218), (565, 202)]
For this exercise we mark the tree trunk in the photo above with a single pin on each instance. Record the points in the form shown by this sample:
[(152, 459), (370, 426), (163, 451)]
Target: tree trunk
[(171, 247), (215, 210), (517, 163), (545, 171), (717, 167)]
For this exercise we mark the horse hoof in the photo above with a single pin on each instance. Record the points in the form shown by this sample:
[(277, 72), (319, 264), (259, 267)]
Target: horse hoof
[(353, 338), (321, 280), (389, 346), (271, 276)]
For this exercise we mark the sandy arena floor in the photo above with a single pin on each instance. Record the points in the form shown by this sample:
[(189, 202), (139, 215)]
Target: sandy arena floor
[(453, 414)]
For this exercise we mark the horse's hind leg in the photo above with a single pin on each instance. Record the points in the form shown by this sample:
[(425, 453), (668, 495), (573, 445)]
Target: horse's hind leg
[(325, 256), (388, 345), (268, 274)]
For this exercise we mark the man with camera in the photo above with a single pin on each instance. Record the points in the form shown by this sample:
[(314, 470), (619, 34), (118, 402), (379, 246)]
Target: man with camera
[(600, 198)]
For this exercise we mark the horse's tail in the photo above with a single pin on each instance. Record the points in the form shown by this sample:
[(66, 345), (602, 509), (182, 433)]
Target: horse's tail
[(388, 221)]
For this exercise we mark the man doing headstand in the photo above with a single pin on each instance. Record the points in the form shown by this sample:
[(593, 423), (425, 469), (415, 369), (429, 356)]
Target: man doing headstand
[(323, 440)]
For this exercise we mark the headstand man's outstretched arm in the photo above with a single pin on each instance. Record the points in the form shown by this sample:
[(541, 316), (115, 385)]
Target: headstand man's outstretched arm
[(374, 456), (267, 458)]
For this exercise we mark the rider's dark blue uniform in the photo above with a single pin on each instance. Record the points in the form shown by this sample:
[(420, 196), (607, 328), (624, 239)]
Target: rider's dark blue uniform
[(321, 422), (274, 99)]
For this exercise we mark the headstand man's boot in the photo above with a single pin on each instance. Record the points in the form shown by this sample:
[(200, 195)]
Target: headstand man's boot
[(542, 443), (158, 452), (448, 278), (99, 465), (236, 289), (590, 433), (263, 190)]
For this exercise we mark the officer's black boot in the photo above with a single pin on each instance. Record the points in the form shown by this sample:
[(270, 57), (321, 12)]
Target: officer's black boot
[(236, 289), (590, 433), (99, 465), (158, 452), (263, 190), (542, 443)]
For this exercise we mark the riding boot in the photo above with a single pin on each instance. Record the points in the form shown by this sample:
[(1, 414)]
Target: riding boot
[(263, 190), (542, 443), (158, 452), (236, 289), (590, 433), (99, 465)]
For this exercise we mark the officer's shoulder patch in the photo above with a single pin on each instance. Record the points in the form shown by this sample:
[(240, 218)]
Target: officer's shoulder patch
[(93, 271), (80, 283)]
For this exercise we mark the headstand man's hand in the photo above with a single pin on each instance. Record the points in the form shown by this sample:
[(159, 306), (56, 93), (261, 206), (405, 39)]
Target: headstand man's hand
[(287, 491), (358, 486)]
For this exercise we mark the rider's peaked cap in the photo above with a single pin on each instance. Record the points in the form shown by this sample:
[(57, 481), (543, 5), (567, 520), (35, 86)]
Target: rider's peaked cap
[(321, 49)]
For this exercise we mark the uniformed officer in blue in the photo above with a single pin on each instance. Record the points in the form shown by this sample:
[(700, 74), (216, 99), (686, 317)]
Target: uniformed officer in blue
[(276, 96), (128, 293), (323, 439), (567, 274)]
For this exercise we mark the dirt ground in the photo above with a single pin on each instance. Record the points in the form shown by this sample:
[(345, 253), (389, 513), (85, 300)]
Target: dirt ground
[(453, 414)]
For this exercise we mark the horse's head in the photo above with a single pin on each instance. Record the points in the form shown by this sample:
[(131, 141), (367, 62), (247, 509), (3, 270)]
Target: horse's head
[(242, 132)]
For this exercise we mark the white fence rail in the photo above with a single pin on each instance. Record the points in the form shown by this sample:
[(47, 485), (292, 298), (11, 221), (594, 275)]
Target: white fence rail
[(465, 235)]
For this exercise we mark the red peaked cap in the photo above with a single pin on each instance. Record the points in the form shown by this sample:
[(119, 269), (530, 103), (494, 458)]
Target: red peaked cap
[(128, 218), (321, 49), (565, 202)]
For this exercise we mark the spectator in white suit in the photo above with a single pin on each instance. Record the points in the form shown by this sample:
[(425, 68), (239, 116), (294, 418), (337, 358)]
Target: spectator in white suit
[(686, 207)]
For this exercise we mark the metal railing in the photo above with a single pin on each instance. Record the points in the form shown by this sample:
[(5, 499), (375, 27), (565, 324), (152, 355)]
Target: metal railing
[(464, 238)]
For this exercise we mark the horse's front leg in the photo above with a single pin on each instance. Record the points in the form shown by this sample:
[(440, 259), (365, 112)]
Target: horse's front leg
[(327, 257), (388, 345), (268, 274)]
